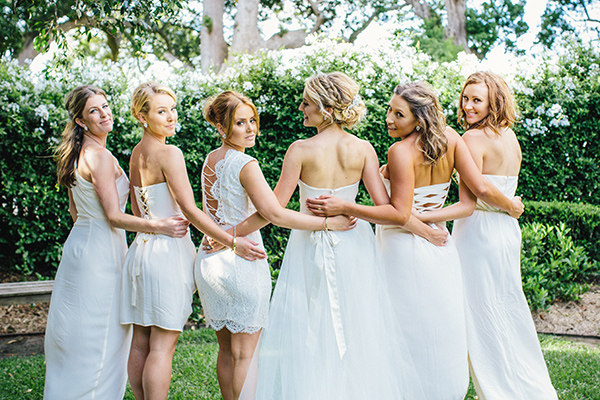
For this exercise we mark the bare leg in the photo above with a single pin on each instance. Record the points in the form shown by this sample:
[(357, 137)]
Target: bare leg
[(225, 364), (157, 370), (140, 347), (242, 349)]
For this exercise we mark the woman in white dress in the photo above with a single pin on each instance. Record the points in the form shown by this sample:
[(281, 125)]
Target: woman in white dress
[(505, 357), (235, 292), (331, 332), (158, 281), (424, 279), (86, 348)]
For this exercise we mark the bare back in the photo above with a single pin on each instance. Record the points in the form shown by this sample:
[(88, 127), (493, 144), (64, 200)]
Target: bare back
[(495, 154), (146, 160)]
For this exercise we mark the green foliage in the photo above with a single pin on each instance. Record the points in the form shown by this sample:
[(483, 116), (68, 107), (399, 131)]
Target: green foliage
[(582, 219), (567, 16), (552, 265)]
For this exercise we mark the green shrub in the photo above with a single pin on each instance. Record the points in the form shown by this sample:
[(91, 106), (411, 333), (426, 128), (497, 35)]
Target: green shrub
[(552, 265)]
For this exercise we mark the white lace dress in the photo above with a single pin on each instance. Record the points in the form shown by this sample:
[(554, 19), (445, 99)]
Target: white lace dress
[(158, 273), (505, 354), (426, 289), (234, 292)]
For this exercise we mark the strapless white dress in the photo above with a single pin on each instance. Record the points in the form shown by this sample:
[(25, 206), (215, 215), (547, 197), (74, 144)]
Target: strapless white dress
[(158, 273), (506, 359), (331, 331), (426, 289)]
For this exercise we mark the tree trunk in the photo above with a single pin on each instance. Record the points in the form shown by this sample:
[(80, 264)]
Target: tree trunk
[(28, 52), (457, 20), (213, 48), (246, 36)]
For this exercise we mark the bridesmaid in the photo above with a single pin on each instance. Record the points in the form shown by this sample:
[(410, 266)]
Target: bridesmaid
[(424, 279), (158, 281), (86, 347), (234, 292), (504, 351)]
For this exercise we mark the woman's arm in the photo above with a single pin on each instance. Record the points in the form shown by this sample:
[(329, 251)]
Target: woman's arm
[(173, 167), (462, 209), (102, 171)]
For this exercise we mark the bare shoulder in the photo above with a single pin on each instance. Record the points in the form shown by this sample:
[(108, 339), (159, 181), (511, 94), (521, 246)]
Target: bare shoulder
[(97, 156)]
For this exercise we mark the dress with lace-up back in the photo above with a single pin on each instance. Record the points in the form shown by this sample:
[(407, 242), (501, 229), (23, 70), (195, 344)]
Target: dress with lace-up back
[(158, 282), (426, 289), (234, 292)]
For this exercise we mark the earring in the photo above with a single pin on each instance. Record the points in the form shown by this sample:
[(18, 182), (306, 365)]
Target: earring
[(85, 128), (145, 124), (223, 136), (418, 128)]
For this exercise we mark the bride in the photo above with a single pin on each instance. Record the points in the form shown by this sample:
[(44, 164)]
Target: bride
[(331, 331)]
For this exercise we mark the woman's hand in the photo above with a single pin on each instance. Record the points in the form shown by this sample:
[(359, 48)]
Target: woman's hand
[(325, 205), (438, 237), (517, 207), (341, 223), (210, 245), (249, 249), (176, 227)]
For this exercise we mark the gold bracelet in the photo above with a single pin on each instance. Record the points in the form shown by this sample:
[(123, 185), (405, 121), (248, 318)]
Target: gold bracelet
[(233, 247), (326, 224)]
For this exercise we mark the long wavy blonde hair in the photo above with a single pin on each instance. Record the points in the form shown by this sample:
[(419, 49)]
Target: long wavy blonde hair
[(67, 152), (426, 109), (502, 105)]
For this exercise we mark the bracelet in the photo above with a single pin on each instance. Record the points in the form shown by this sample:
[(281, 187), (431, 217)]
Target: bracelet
[(326, 224), (234, 241)]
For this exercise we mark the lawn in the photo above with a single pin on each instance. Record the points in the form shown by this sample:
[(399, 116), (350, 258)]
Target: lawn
[(574, 369)]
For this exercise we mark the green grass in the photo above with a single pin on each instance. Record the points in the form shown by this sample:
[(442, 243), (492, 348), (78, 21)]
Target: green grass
[(574, 370)]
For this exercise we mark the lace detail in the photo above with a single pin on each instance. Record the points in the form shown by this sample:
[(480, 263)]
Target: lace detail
[(142, 201), (429, 198), (233, 326)]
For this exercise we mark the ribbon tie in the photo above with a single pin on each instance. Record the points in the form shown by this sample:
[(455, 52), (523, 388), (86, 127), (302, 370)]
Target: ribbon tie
[(140, 259), (324, 242)]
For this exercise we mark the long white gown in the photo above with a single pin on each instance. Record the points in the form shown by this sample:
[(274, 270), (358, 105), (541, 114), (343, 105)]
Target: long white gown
[(158, 272), (234, 292), (506, 359), (425, 284), (331, 332), (86, 347)]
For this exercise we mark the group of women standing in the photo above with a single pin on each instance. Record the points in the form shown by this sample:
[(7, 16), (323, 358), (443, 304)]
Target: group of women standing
[(400, 315)]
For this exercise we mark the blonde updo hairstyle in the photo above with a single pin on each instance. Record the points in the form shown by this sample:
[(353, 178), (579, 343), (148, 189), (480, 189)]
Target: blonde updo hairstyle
[(501, 103), (431, 121), (220, 110), (67, 152), (142, 95), (339, 92)]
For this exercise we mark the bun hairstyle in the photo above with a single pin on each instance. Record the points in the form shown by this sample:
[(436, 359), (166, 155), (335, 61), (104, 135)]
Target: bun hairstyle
[(426, 109), (67, 152), (502, 105), (142, 95), (338, 91), (220, 110)]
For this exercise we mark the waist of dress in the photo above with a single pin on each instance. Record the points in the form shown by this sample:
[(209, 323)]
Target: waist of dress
[(480, 206)]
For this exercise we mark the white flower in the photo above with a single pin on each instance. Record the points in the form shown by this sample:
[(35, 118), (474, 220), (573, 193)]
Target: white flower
[(554, 110), (42, 112), (248, 86)]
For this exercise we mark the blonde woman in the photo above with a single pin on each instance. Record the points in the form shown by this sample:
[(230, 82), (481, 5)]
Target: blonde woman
[(158, 280), (235, 292), (424, 276), (86, 348), (504, 352)]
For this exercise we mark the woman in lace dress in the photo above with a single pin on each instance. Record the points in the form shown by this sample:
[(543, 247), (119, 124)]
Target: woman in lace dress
[(504, 352), (158, 282), (235, 292), (424, 276), (86, 348)]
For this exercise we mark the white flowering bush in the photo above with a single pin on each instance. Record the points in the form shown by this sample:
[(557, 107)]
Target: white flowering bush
[(559, 114)]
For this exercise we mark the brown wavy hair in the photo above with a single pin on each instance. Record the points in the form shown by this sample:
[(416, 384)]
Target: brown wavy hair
[(426, 109), (220, 110), (67, 152), (502, 105)]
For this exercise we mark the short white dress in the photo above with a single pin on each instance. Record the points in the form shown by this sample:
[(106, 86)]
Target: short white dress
[(234, 292), (425, 285), (506, 359), (86, 348), (158, 273)]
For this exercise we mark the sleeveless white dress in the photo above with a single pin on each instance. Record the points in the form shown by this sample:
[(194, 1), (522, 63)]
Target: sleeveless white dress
[(506, 359), (234, 291), (425, 284), (332, 332), (158, 272), (86, 348)]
